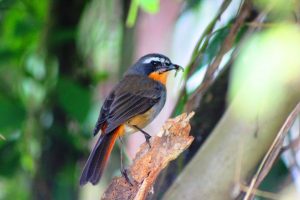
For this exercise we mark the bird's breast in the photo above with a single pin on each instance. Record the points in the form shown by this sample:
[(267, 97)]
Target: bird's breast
[(146, 118)]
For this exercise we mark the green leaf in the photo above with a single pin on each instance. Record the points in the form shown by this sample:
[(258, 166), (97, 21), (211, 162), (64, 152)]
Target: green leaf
[(74, 99), (100, 76), (216, 43), (133, 10), (27, 162), (150, 6), (10, 158), (12, 114)]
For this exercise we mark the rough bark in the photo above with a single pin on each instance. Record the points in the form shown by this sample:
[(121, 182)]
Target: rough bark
[(166, 146)]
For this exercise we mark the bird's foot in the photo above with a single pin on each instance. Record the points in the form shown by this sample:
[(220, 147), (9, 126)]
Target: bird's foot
[(148, 137)]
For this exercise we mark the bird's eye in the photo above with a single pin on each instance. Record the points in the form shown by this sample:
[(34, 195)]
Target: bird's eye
[(155, 63), (167, 63)]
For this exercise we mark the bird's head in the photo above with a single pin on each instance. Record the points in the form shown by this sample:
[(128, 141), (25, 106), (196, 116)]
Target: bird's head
[(154, 66)]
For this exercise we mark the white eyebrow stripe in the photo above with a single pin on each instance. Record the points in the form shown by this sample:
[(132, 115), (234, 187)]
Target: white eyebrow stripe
[(149, 60)]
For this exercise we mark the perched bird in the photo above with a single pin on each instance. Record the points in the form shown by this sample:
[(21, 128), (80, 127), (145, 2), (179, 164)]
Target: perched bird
[(133, 103)]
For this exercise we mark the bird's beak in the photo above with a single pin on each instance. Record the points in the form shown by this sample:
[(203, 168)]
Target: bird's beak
[(170, 67), (177, 67)]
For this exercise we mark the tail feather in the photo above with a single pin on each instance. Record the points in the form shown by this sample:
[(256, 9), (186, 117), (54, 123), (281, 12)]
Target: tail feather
[(98, 158)]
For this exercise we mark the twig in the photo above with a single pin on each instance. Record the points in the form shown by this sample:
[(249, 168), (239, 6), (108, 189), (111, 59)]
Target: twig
[(148, 163), (204, 39), (261, 25), (267, 195), (272, 153), (226, 46)]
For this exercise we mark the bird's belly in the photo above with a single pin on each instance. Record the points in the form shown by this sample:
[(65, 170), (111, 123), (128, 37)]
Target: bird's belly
[(141, 121), (144, 119), (129, 129)]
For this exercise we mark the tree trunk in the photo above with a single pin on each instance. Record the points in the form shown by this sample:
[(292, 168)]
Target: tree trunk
[(234, 149), (58, 151)]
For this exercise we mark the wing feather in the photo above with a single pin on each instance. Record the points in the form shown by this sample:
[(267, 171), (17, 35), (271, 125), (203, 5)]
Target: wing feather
[(132, 96), (134, 105)]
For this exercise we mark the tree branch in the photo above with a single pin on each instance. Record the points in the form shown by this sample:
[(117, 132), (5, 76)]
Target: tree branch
[(169, 143)]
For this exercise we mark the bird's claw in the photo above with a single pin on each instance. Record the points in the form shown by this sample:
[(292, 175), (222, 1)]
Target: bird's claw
[(148, 137)]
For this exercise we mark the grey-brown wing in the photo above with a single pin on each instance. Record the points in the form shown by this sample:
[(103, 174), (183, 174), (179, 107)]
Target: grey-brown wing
[(130, 98), (104, 112), (129, 105)]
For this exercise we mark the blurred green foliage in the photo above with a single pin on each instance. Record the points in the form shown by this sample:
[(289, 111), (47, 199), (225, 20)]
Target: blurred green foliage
[(44, 112), (273, 52), (71, 96), (50, 62), (14, 114), (279, 9)]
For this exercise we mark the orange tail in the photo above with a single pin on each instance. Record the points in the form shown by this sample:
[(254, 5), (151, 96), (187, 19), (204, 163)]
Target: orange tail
[(97, 160)]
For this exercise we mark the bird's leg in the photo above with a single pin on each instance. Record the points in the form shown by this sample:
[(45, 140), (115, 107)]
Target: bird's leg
[(146, 135), (123, 170), (121, 155)]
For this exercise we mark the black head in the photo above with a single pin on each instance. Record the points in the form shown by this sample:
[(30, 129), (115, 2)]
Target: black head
[(152, 63)]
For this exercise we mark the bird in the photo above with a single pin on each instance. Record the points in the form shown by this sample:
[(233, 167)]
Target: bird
[(131, 105)]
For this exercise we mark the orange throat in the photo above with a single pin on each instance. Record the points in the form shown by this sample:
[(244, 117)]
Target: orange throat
[(160, 77)]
